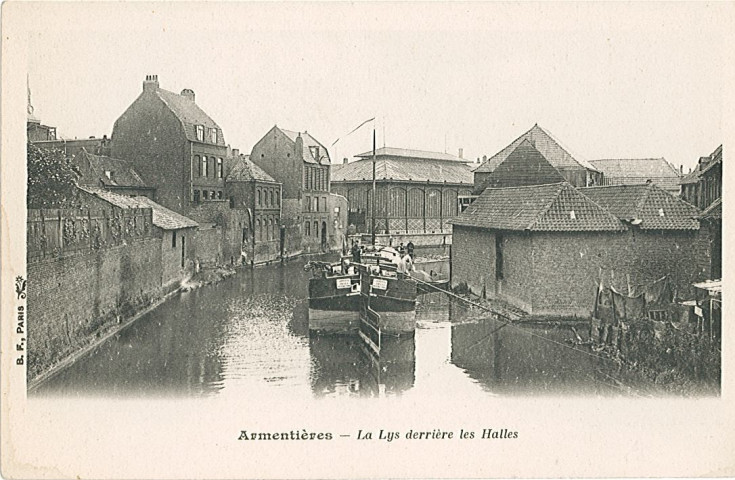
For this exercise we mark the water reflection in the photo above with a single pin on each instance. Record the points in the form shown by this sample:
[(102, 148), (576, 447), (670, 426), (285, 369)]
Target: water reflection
[(343, 366), (249, 335)]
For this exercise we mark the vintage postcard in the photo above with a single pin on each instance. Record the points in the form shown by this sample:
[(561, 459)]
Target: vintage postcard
[(366, 240)]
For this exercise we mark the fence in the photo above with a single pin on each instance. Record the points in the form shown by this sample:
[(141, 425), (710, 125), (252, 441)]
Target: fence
[(56, 232)]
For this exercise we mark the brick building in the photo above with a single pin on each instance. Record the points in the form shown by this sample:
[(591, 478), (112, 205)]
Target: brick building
[(250, 189), (703, 187), (639, 171), (416, 191), (545, 248), (301, 164), (574, 169), (174, 145)]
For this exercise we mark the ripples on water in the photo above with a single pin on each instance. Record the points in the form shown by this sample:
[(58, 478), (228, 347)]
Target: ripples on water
[(249, 335)]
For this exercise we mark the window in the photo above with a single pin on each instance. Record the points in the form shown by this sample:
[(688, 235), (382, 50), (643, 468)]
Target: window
[(307, 228), (316, 228), (214, 135), (109, 174), (273, 198), (324, 204), (205, 195), (198, 163), (220, 169), (270, 229), (314, 152), (308, 203), (219, 195), (196, 196), (205, 167), (498, 257), (316, 204), (173, 239), (257, 201), (257, 229), (212, 193), (200, 133)]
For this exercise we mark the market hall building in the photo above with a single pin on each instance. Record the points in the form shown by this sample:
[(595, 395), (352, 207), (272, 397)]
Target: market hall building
[(416, 191)]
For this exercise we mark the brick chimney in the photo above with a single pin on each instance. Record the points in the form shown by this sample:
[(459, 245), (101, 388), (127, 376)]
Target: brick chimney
[(151, 83), (344, 160), (235, 152), (188, 93), (299, 147), (460, 154)]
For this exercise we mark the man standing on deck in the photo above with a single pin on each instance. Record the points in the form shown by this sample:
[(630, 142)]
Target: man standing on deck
[(409, 248), (355, 252)]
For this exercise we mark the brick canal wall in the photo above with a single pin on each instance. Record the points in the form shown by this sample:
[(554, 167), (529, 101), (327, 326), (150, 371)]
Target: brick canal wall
[(87, 271), (73, 298)]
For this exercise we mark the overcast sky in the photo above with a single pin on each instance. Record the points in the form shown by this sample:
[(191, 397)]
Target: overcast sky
[(608, 80)]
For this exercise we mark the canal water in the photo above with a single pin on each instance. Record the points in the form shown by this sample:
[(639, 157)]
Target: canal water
[(248, 335)]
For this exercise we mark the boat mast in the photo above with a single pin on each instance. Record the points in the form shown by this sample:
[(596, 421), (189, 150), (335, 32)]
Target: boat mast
[(372, 208)]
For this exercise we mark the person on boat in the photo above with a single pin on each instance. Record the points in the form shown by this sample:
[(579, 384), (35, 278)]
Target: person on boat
[(356, 252), (408, 262), (397, 260), (409, 248)]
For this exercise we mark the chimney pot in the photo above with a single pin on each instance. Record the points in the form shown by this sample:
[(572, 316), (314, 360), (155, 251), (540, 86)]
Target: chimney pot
[(344, 160), (484, 158), (188, 93), (461, 153), (235, 152), (151, 83)]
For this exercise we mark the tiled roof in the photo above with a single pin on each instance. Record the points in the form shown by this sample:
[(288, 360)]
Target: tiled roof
[(647, 206), (714, 210), (704, 164), (524, 166), (94, 168), (636, 167), (162, 216), (545, 143), (406, 153), (190, 115), (556, 207), (309, 141), (245, 170), (403, 170)]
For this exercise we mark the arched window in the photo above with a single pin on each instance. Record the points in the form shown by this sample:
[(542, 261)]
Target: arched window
[(257, 229), (307, 228), (257, 201), (205, 169), (316, 229), (308, 203), (270, 229), (198, 165), (316, 204), (220, 168), (273, 199)]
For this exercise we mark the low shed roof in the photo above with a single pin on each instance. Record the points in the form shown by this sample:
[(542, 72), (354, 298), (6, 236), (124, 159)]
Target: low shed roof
[(162, 216)]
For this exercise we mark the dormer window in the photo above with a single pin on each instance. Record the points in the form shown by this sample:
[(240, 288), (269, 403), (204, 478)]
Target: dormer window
[(200, 133), (314, 152), (109, 174), (214, 135)]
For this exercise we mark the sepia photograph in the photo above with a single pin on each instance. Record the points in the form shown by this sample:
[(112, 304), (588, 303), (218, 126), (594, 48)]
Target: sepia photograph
[(436, 236)]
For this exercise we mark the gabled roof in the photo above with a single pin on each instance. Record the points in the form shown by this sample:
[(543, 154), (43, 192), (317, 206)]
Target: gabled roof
[(162, 216), (704, 164), (244, 170), (544, 142), (190, 115), (94, 167), (309, 141), (398, 170), (647, 206), (539, 208), (407, 153), (524, 166)]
